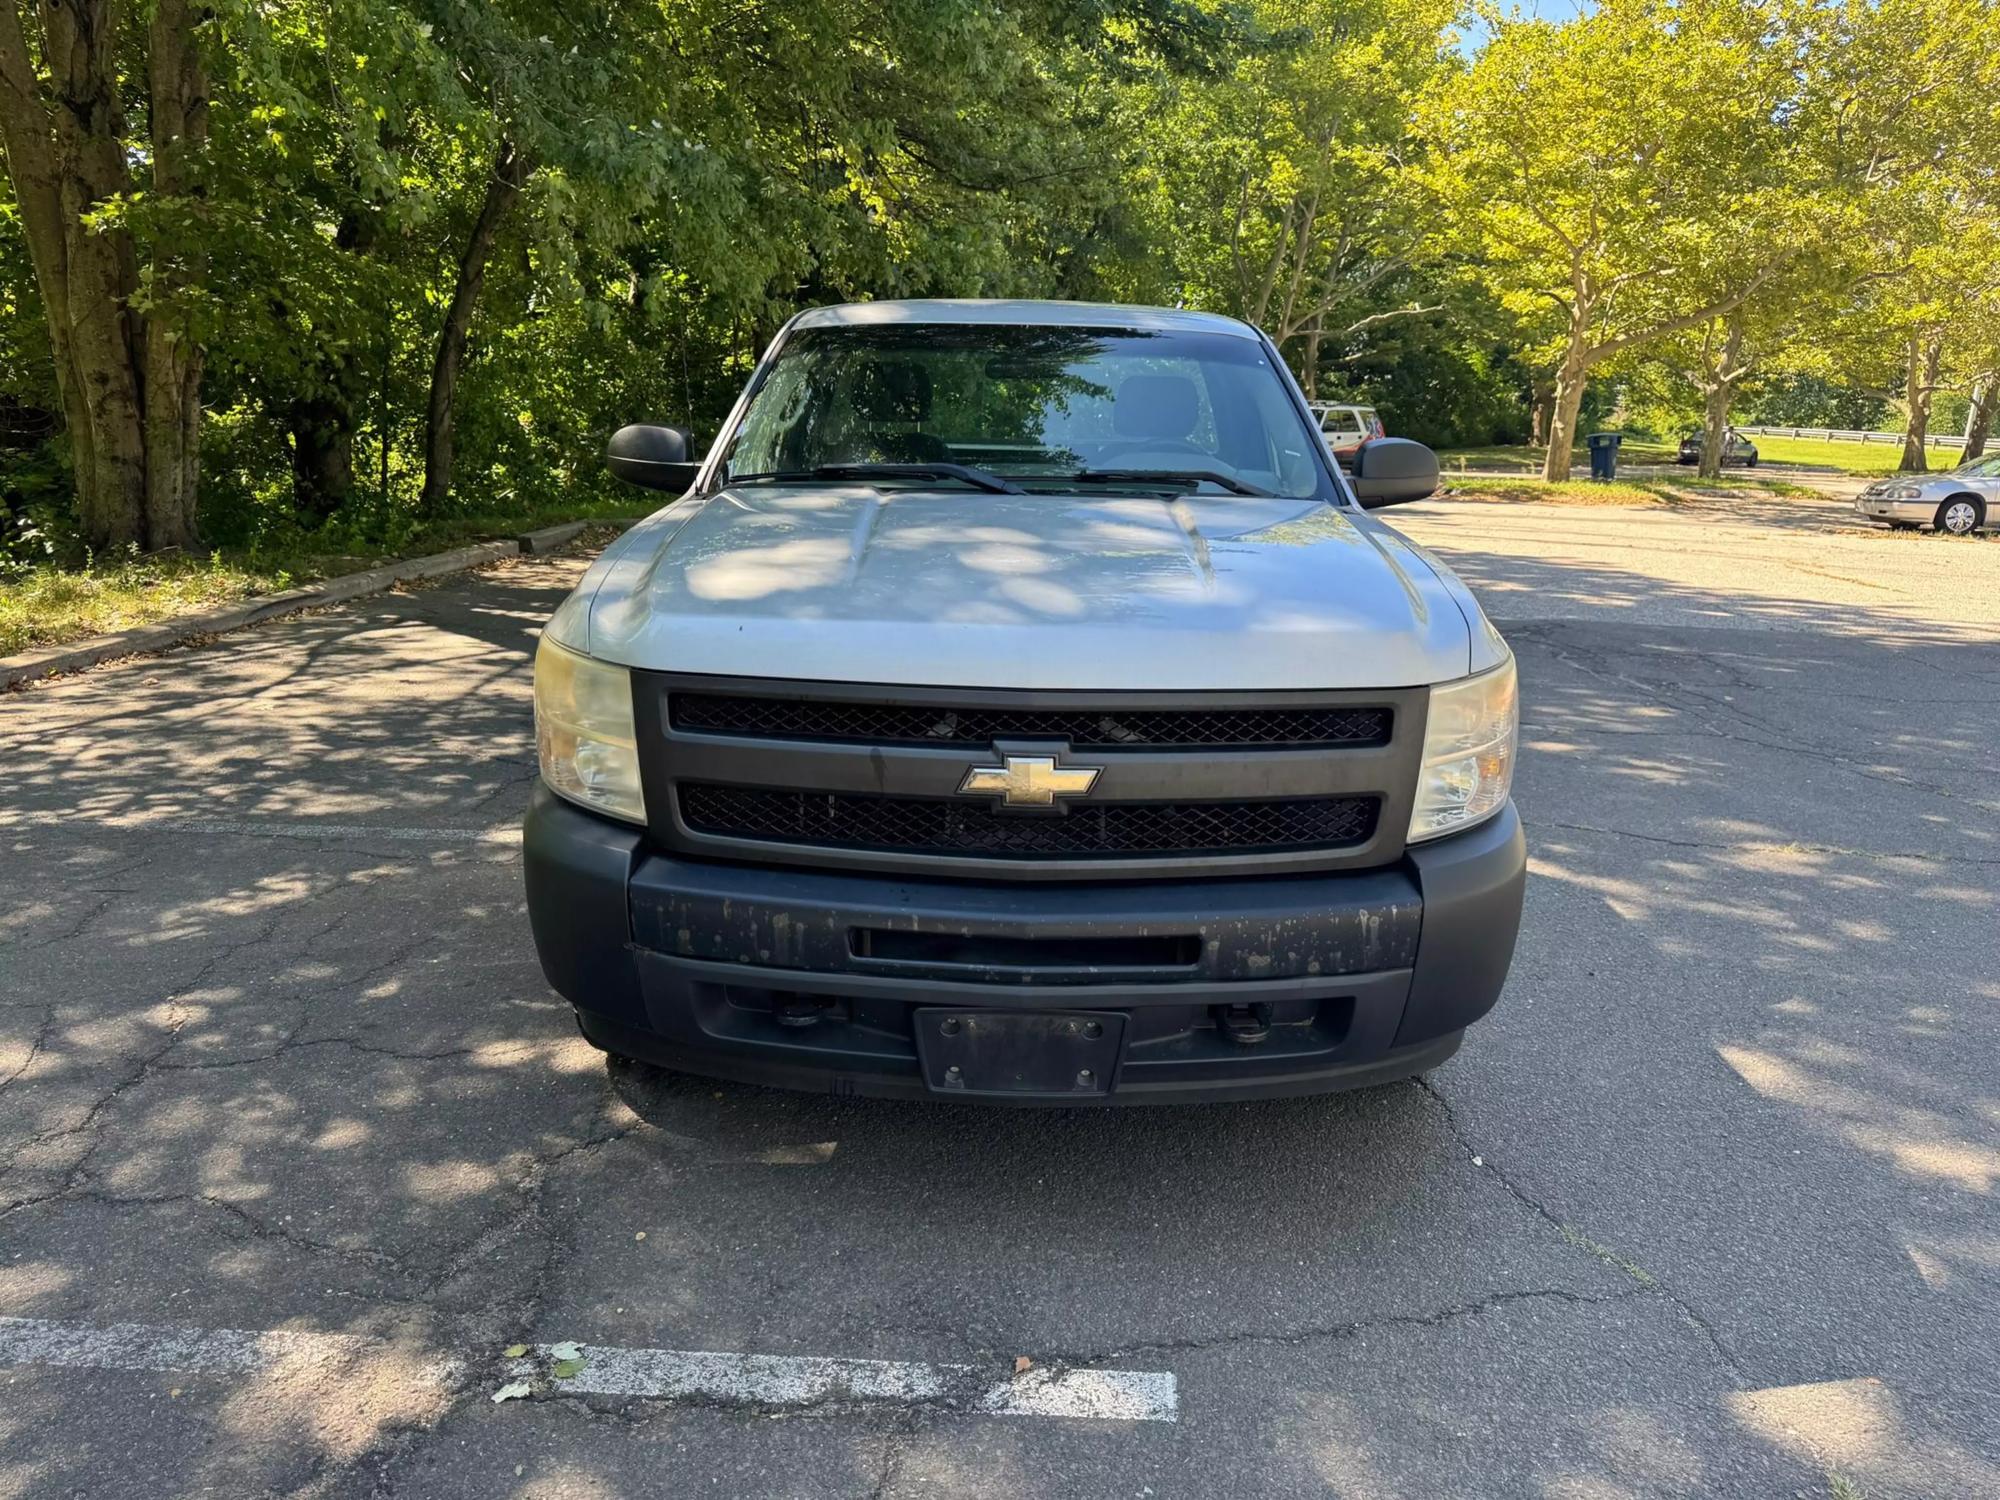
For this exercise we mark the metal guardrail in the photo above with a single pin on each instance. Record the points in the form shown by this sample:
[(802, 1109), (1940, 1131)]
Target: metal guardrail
[(1836, 435)]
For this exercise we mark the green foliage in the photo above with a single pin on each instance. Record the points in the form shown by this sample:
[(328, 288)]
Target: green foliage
[(1813, 401), (1449, 233)]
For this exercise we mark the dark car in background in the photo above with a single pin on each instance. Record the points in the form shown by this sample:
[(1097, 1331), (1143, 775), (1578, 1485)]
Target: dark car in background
[(1736, 448)]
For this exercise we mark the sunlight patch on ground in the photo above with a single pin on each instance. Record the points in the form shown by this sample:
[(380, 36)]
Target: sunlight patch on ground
[(1918, 1141)]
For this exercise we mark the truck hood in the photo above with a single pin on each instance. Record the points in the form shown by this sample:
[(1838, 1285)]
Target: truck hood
[(848, 583)]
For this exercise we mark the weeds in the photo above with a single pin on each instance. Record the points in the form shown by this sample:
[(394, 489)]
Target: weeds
[(45, 604)]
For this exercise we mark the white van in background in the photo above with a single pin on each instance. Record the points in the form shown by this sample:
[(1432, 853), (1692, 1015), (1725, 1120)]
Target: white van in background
[(1346, 428)]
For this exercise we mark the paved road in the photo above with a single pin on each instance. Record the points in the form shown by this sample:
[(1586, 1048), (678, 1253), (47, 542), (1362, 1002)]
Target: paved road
[(1749, 563), (1707, 1208)]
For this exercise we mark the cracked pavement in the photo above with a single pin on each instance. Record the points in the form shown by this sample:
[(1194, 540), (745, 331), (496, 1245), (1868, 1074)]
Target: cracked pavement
[(1707, 1207)]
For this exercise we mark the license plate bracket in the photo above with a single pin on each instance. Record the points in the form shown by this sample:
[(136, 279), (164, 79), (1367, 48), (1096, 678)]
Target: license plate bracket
[(1019, 1054)]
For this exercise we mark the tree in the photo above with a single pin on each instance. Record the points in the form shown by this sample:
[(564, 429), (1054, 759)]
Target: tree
[(1907, 86), (128, 364), (1610, 168), (1277, 188), (776, 152), (1719, 357)]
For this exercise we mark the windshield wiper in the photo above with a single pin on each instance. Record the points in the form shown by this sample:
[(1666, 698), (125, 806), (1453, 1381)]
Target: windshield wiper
[(979, 479), (1190, 477)]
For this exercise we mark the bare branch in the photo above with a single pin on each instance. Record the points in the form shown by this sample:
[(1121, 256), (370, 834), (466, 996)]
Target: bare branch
[(1394, 312)]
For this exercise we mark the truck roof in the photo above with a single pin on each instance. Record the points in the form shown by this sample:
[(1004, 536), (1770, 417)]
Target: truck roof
[(1022, 311)]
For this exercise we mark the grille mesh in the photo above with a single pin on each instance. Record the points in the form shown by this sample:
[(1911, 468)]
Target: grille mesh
[(920, 724), (937, 826)]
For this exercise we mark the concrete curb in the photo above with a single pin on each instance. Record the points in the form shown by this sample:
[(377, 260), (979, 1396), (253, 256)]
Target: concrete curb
[(549, 538), (144, 640)]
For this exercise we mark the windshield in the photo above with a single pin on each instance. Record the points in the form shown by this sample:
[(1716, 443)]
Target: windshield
[(1982, 468), (1028, 405)]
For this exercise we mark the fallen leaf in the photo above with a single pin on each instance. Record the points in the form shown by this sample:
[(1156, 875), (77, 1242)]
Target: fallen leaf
[(563, 1369), (566, 1351), (514, 1351), (513, 1390), (1022, 1364)]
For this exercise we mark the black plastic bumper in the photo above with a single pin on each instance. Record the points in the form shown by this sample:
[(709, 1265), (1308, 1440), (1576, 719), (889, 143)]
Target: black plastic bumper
[(1222, 989)]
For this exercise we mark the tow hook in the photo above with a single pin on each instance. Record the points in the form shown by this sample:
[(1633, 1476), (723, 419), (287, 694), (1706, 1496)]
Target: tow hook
[(1245, 1025), (799, 1010)]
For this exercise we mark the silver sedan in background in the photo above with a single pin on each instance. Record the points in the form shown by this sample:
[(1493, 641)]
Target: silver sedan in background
[(1965, 500)]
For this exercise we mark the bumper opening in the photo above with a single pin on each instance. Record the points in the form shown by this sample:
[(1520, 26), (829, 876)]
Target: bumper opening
[(1084, 958)]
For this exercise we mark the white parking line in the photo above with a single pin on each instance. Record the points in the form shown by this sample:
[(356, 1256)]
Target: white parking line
[(765, 1381), (799, 1380), (149, 1346)]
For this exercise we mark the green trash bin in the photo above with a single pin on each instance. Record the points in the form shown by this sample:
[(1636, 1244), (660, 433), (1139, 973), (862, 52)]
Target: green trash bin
[(1604, 454)]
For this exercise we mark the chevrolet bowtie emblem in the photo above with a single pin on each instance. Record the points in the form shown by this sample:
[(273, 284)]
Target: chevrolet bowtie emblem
[(1028, 781)]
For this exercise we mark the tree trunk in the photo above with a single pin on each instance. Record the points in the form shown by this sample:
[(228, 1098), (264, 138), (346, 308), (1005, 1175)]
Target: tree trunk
[(1979, 421), (173, 362), (1566, 402), (130, 383), (1719, 391), (510, 170), (101, 270), (1311, 362), (28, 137), (322, 454), (1541, 401), (1920, 385)]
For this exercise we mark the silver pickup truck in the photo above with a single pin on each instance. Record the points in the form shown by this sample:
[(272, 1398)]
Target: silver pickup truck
[(1019, 705)]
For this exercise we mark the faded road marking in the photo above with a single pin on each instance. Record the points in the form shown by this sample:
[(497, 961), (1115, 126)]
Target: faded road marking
[(785, 1380), (763, 1381), (151, 1346)]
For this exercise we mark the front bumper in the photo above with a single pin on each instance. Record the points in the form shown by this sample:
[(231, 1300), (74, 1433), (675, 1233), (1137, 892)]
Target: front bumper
[(819, 980), (1915, 512)]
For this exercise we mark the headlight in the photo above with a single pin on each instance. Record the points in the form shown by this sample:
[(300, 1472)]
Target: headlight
[(1469, 742), (583, 732), (1903, 492)]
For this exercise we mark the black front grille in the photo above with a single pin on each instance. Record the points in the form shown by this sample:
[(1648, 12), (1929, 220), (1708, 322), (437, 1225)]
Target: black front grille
[(1096, 729), (950, 826)]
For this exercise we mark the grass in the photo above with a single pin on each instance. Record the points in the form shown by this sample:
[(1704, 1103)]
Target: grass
[(1847, 458), (1863, 459), (1572, 492), (1624, 492), (48, 605)]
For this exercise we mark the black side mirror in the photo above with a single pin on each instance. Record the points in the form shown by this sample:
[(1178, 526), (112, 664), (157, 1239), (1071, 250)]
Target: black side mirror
[(655, 457), (1389, 471)]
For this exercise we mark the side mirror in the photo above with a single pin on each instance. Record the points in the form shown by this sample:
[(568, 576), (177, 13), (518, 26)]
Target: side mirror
[(654, 457), (1390, 471)]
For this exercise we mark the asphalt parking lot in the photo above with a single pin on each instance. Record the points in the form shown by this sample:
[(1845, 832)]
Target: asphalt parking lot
[(295, 1143)]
